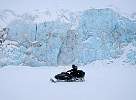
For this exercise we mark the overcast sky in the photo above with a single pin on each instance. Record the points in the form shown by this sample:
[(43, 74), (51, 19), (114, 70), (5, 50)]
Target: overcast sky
[(21, 6)]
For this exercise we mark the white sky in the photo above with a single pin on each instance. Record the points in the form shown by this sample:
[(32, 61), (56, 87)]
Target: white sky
[(21, 6)]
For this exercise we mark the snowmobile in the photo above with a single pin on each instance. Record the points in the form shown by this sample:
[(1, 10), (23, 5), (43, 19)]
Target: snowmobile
[(69, 77)]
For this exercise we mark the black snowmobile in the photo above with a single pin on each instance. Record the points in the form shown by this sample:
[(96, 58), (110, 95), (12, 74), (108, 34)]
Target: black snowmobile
[(72, 75)]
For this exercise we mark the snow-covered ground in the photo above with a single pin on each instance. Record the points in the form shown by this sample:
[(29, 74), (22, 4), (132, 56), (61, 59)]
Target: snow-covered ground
[(105, 80)]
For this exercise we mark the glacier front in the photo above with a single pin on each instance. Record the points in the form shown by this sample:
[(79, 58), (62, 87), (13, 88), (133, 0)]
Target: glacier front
[(72, 38)]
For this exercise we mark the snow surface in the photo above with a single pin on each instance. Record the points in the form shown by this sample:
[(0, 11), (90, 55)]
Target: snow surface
[(105, 80)]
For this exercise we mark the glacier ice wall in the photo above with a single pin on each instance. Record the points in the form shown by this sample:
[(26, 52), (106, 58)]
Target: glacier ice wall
[(92, 35), (103, 33)]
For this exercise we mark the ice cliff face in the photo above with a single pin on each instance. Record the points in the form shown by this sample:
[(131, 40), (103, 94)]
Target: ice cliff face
[(104, 33), (78, 38)]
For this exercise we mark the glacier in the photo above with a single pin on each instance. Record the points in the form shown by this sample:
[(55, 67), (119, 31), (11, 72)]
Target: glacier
[(71, 38)]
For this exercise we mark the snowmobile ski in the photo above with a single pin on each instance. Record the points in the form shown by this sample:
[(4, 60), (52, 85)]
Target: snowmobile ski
[(52, 80), (76, 80)]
